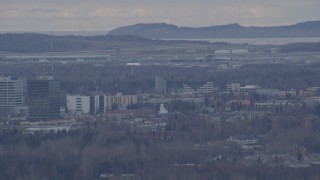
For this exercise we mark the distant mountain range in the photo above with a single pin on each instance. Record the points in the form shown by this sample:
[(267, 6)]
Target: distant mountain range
[(169, 31)]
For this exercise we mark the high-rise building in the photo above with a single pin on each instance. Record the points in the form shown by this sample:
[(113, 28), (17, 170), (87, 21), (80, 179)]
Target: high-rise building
[(12, 99), (44, 99), (97, 104), (160, 85)]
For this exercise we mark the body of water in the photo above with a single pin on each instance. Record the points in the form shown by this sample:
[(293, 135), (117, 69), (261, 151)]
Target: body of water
[(260, 41)]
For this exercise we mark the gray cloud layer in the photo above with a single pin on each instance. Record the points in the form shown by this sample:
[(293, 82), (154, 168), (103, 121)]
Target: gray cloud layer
[(79, 15)]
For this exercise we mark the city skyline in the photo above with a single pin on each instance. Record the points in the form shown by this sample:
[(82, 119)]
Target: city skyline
[(98, 15)]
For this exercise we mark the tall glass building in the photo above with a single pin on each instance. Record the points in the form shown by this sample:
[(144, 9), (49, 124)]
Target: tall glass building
[(44, 99), (160, 85)]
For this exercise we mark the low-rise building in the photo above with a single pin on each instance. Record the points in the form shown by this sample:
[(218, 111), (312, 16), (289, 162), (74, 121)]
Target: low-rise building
[(233, 88), (77, 104), (206, 88), (249, 88), (267, 91), (120, 100)]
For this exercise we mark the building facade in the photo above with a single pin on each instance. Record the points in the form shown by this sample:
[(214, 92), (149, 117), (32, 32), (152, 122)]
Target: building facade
[(233, 88), (187, 89), (12, 99), (44, 99), (206, 88), (78, 104), (160, 85), (120, 100), (97, 104)]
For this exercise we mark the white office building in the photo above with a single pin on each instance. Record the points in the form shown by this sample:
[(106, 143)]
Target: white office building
[(12, 99), (77, 104)]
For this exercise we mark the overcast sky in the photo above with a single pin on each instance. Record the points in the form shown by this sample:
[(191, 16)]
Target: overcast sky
[(105, 15)]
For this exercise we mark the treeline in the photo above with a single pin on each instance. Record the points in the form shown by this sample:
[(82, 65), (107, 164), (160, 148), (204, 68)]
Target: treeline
[(108, 148), (34, 42), (78, 78)]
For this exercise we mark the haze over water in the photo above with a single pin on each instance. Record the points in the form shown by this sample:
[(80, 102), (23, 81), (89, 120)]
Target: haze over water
[(260, 41)]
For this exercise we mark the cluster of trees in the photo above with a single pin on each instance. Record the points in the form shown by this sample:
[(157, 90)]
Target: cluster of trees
[(298, 47), (104, 147), (34, 42), (112, 79)]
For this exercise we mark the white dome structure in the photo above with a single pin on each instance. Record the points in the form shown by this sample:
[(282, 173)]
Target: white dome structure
[(163, 110)]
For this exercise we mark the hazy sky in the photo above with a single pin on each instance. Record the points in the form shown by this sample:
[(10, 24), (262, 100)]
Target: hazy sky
[(104, 15)]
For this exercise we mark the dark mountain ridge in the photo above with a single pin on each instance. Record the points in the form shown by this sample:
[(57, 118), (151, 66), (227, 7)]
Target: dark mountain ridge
[(169, 31)]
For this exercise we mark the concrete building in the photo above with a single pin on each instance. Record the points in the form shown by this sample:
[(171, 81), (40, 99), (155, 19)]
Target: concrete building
[(187, 89), (268, 91), (233, 88), (12, 100), (249, 88), (120, 100), (206, 88), (77, 104), (94, 104), (44, 99), (160, 85), (80, 104), (97, 104)]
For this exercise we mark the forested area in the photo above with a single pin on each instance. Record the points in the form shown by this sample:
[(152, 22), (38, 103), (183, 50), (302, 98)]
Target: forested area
[(191, 141), (300, 47), (117, 78), (35, 43), (106, 147)]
